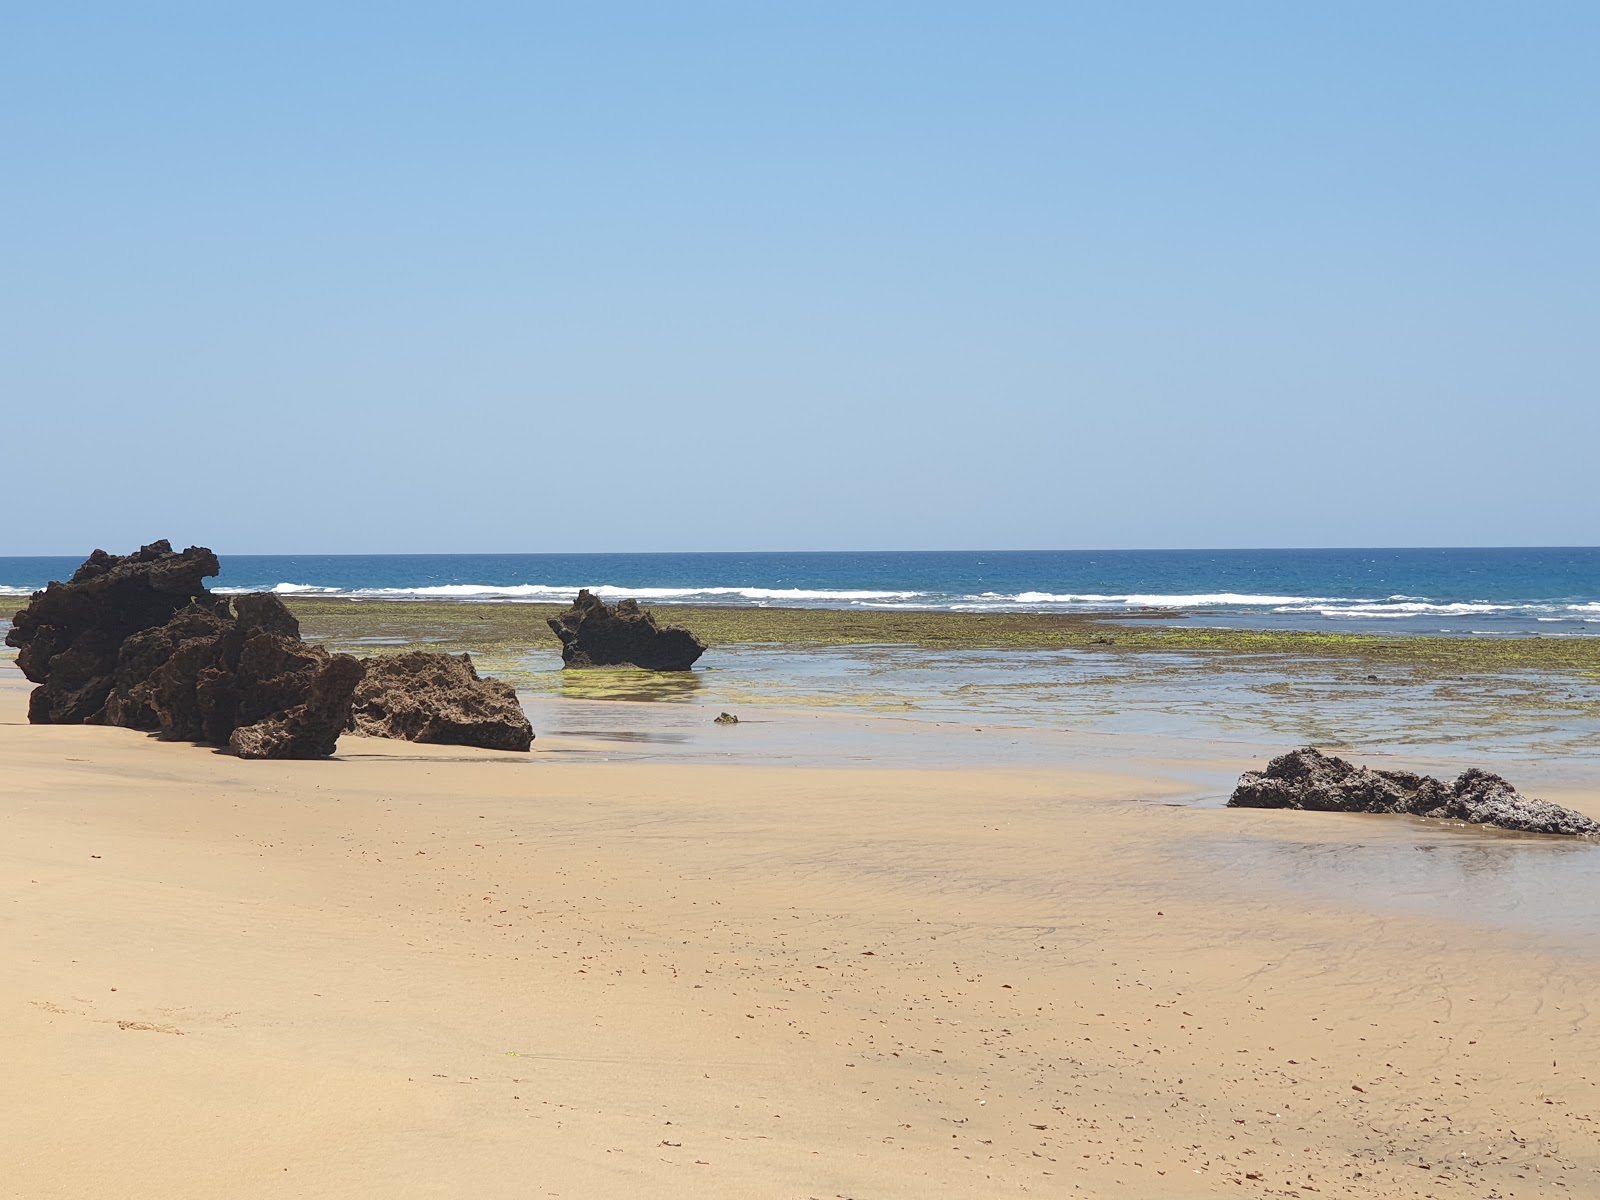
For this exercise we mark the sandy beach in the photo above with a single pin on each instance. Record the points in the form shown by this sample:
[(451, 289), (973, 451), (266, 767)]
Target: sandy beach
[(422, 971), (800, 602)]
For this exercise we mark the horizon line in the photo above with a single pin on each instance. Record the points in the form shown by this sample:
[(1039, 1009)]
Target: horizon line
[(963, 550)]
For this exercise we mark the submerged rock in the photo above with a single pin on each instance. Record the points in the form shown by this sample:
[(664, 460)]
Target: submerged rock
[(438, 698), (1309, 779), (71, 634), (596, 634)]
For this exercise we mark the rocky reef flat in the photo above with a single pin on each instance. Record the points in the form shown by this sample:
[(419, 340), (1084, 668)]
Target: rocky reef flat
[(481, 624), (1520, 696)]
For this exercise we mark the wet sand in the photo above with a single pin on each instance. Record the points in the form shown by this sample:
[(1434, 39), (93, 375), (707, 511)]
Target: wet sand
[(631, 965)]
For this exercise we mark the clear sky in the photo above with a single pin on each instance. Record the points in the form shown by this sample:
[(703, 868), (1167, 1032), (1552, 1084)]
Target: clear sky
[(521, 277)]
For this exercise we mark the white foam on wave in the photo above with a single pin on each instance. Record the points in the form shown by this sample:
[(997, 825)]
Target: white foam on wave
[(1332, 607), (540, 591), (1361, 608), (467, 591), (282, 589), (1161, 600)]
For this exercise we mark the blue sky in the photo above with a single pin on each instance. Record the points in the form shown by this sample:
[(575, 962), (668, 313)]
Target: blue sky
[(523, 277)]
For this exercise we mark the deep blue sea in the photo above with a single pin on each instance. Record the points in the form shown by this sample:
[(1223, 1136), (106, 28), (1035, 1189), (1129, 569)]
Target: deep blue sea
[(1552, 591)]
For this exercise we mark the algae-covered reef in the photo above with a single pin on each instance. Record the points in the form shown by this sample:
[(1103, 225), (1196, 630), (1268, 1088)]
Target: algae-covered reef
[(510, 630), (1050, 669)]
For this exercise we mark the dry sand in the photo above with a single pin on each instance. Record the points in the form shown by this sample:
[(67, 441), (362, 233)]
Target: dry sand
[(414, 973)]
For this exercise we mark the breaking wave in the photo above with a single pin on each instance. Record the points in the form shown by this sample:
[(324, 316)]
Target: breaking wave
[(546, 593), (1411, 608), (1158, 600), (1397, 607)]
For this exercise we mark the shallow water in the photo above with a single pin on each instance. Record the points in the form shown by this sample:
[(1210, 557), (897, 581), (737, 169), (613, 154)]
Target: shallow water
[(1509, 717), (1546, 886)]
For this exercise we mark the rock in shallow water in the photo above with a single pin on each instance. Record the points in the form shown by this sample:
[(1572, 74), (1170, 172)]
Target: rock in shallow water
[(596, 634), (438, 698), (1309, 779)]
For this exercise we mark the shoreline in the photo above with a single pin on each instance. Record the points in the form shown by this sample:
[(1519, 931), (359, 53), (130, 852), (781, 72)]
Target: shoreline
[(434, 973), (1506, 699)]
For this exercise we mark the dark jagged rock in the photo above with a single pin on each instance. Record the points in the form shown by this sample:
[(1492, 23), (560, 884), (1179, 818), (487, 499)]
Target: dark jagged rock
[(310, 729), (244, 680), (726, 718), (1309, 779), (70, 635), (153, 687), (138, 641), (1484, 798), (596, 634), (438, 698)]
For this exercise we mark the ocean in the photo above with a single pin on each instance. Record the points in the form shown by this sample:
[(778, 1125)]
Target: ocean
[(1516, 591)]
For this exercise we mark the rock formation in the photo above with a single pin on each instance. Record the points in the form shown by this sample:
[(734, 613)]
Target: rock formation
[(726, 718), (425, 697), (71, 634), (1309, 779), (596, 634), (243, 680), (138, 641), (310, 729)]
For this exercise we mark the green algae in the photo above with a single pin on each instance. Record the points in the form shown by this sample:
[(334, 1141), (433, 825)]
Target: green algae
[(504, 632), (1150, 672), (1082, 670)]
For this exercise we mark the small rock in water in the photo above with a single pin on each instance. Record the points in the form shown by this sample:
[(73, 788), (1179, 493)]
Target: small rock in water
[(726, 719), (1309, 779)]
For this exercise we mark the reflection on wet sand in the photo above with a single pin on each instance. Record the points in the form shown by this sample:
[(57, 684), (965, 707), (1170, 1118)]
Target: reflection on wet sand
[(626, 735), (628, 683), (1544, 884)]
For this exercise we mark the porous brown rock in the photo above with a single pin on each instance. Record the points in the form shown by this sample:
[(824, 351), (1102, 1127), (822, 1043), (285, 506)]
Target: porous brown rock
[(596, 634), (310, 729), (70, 635), (422, 696), (243, 680), (136, 640), (1309, 779)]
